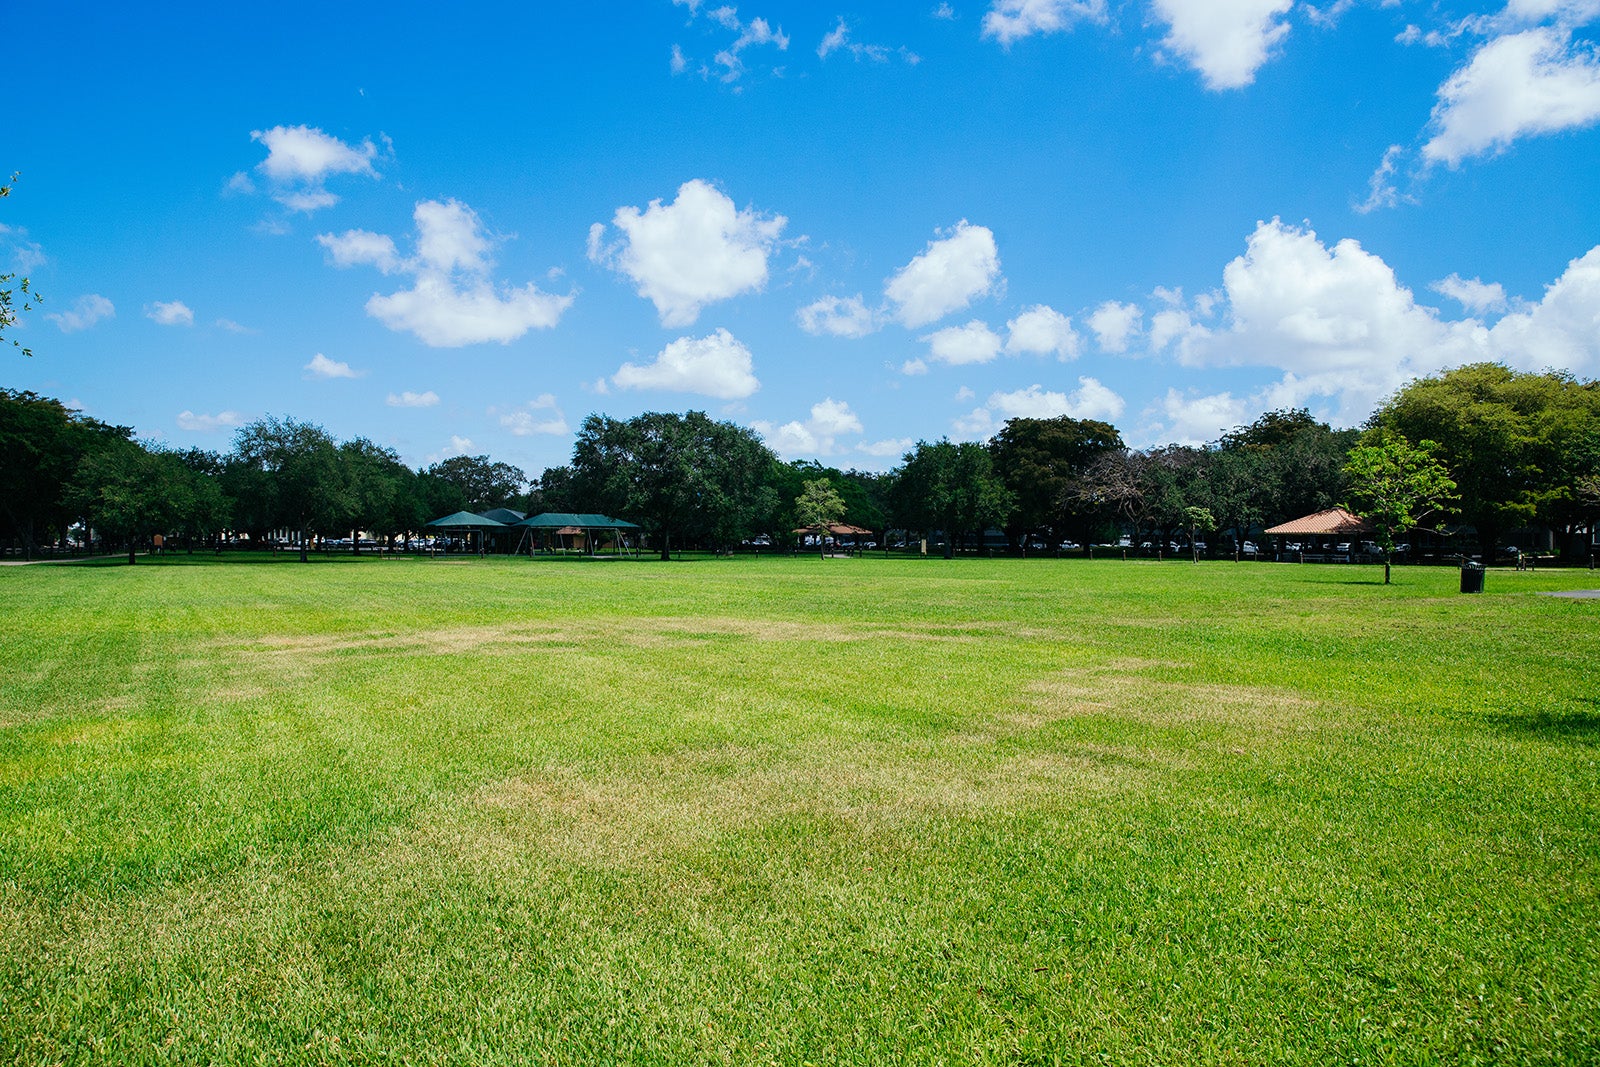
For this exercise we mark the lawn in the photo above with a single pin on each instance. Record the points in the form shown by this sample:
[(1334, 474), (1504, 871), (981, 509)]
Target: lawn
[(793, 810)]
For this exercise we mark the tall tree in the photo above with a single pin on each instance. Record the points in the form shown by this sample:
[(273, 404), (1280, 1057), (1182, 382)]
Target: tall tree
[(1514, 442), (677, 475), (42, 443), (484, 484), (950, 487), (1396, 486), (303, 483), (819, 506), (1038, 459), (131, 493)]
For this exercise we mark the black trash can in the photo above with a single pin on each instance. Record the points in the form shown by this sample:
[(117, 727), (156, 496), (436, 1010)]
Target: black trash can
[(1471, 577)]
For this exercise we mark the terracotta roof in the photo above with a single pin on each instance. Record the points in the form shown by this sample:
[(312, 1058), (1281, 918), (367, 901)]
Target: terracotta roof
[(1332, 521)]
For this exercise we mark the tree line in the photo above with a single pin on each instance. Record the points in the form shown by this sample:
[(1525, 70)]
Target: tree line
[(1516, 450)]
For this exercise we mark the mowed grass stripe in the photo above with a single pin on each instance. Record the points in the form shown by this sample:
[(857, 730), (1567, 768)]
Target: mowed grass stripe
[(787, 809)]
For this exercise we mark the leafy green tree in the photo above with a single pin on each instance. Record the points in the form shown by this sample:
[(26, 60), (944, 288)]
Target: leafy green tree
[(1038, 460), (376, 483), (1515, 443), (950, 487), (677, 475), (1198, 519), (42, 443), (1283, 465), (297, 471), (554, 491), (484, 484), (130, 493), (1396, 486), (14, 298), (819, 506)]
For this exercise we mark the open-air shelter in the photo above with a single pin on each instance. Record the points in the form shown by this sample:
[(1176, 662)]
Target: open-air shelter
[(466, 522), (571, 524), (1334, 522), (837, 529)]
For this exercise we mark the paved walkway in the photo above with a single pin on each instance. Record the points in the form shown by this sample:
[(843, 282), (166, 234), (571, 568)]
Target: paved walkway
[(1577, 594)]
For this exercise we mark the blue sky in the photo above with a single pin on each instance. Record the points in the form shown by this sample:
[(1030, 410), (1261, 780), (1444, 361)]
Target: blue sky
[(848, 227)]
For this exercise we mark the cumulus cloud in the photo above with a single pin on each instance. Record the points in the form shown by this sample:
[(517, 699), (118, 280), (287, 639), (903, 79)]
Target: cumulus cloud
[(816, 436), (323, 367), (538, 416), (1091, 400), (961, 345), (1520, 84), (718, 365), (222, 420), (84, 313), (1472, 293), (1227, 41), (16, 250), (839, 316), (1188, 419), (300, 159), (1008, 21), (693, 252), (889, 446), (1115, 325), (1339, 324), (956, 268), (452, 300), (1042, 330), (169, 313), (409, 399), (355, 247)]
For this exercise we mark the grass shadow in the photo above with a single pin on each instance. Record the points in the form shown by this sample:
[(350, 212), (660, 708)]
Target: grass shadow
[(1581, 727)]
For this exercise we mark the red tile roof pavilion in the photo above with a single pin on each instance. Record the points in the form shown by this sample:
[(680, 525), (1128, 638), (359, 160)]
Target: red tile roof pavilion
[(1330, 522)]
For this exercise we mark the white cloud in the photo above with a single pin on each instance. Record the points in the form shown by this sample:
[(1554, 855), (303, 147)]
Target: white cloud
[(948, 275), (409, 399), (730, 61), (1473, 294), (889, 446), (452, 301), (304, 153), (1194, 420), (839, 39), (86, 311), (233, 327), (1338, 324), (693, 252), (355, 247), (222, 420), (1091, 400), (21, 254), (944, 11), (458, 446), (1533, 82), (1010, 20), (1227, 41), (816, 436), (1041, 330), (169, 313), (717, 365), (323, 367), (913, 367), (839, 316), (962, 345), (300, 159), (538, 416), (1381, 189), (1115, 325)]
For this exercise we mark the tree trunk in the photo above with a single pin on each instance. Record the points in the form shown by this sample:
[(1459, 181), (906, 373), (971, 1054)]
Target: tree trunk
[(1386, 570), (304, 558), (132, 547), (666, 547)]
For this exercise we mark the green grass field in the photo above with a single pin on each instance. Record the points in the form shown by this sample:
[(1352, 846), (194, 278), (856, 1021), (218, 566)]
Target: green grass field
[(792, 810)]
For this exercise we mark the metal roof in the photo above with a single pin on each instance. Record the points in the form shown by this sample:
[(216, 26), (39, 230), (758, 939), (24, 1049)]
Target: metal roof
[(462, 519), (590, 521)]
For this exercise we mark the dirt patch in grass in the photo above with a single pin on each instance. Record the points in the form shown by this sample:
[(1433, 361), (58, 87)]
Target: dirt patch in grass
[(1116, 690)]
